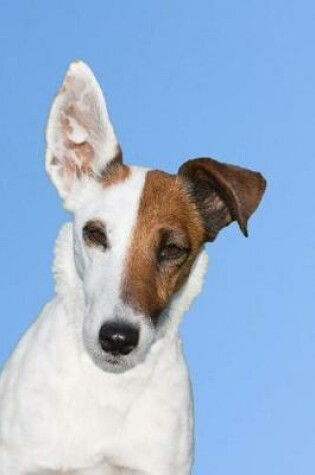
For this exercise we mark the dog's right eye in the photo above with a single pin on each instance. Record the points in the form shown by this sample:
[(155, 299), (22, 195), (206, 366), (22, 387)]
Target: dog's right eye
[(94, 234)]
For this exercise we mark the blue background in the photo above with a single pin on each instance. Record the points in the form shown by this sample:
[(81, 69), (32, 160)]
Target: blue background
[(231, 79)]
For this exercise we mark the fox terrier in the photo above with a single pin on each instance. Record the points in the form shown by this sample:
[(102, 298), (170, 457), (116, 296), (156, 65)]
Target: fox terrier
[(98, 385)]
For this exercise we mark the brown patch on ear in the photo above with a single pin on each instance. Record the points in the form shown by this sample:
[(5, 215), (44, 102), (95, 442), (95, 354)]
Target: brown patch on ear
[(116, 175), (222, 193), (166, 216), (116, 171)]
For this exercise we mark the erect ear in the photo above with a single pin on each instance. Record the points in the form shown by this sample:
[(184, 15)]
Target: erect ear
[(80, 138), (222, 193)]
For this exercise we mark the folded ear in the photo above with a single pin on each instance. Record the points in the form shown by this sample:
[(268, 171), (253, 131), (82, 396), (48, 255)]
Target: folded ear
[(222, 193), (80, 138)]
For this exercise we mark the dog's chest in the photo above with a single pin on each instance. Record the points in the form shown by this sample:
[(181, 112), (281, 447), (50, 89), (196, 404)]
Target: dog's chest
[(82, 416), (102, 420)]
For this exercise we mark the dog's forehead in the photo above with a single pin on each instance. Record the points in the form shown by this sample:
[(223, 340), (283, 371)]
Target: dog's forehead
[(113, 201), (153, 196), (164, 201)]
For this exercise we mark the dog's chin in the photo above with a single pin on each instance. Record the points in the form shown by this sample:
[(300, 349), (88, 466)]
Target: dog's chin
[(116, 364)]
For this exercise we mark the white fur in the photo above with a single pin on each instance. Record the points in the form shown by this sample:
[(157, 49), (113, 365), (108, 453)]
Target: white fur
[(102, 272), (59, 411), (63, 409)]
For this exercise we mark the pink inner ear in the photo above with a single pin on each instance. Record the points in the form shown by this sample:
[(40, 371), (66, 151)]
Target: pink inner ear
[(77, 153), (82, 165), (76, 132), (80, 138)]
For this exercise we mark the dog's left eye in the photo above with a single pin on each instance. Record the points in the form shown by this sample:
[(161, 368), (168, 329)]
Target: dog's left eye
[(94, 234), (171, 252)]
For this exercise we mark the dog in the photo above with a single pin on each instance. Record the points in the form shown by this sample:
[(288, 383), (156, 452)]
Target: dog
[(98, 385)]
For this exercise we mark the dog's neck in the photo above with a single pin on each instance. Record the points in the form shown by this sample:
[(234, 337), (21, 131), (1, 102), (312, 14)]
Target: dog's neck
[(69, 288)]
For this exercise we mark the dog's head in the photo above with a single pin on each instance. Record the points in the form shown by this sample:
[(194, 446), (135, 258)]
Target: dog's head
[(137, 232)]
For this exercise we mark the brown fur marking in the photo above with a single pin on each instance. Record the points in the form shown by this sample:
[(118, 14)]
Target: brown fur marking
[(115, 171), (165, 210)]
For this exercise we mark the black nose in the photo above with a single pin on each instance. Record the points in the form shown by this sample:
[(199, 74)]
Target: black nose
[(118, 338)]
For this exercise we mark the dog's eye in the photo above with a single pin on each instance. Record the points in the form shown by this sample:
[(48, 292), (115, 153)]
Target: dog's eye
[(171, 252), (94, 234)]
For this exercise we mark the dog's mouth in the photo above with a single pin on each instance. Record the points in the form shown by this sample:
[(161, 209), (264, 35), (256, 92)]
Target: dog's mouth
[(117, 364), (114, 363), (114, 360)]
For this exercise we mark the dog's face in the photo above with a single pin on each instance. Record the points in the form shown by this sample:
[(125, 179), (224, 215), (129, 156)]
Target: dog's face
[(137, 232)]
